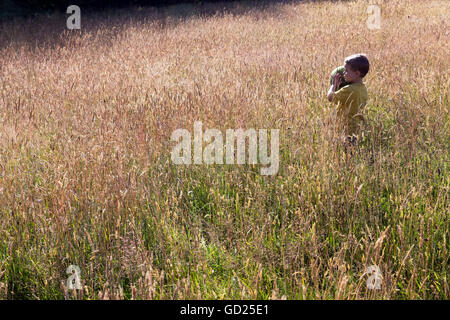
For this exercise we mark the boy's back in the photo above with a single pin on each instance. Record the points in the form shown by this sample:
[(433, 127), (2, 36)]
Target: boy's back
[(350, 101)]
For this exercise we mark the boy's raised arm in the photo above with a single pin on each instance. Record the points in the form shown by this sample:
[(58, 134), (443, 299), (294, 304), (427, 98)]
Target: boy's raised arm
[(336, 82), (330, 93)]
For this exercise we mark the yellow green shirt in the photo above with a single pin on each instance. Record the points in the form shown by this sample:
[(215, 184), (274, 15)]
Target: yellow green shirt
[(350, 101)]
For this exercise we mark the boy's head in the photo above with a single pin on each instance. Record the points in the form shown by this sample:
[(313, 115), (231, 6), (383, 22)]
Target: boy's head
[(356, 67)]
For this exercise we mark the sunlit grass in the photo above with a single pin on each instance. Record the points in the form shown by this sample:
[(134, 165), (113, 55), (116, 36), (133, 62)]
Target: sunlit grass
[(86, 177)]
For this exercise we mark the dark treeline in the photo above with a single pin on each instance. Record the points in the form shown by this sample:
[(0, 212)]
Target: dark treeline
[(29, 7)]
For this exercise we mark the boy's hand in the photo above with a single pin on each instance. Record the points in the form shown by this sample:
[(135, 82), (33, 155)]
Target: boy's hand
[(337, 80)]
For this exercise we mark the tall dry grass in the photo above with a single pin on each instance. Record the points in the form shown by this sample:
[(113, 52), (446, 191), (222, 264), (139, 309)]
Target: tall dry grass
[(86, 177)]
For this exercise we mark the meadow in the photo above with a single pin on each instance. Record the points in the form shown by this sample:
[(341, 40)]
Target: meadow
[(86, 176)]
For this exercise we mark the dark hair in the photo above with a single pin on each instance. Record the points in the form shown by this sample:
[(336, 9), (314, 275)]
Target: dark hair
[(358, 62)]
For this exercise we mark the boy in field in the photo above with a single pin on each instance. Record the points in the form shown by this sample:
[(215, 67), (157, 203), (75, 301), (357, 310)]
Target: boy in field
[(350, 99)]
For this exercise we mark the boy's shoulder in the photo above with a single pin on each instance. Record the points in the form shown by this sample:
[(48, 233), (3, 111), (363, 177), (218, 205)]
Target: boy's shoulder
[(359, 88), (357, 85), (350, 92)]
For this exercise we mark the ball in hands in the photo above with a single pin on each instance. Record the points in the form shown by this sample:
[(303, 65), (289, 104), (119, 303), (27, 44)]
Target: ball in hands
[(341, 70)]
